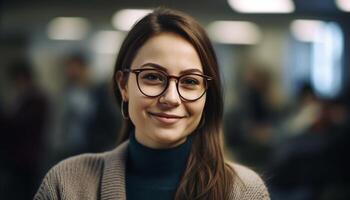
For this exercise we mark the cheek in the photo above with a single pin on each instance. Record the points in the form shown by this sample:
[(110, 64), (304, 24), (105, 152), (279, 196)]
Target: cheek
[(137, 103), (196, 110), (136, 111)]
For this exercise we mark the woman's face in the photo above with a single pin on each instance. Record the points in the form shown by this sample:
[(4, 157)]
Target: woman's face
[(164, 121)]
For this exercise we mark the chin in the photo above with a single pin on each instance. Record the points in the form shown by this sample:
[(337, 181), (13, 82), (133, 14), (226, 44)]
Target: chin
[(170, 137)]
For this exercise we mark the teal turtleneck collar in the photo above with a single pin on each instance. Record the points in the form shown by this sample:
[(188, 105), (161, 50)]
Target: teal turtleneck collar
[(154, 173)]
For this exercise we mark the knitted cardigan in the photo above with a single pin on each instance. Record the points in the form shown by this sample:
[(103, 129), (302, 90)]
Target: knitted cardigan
[(102, 176)]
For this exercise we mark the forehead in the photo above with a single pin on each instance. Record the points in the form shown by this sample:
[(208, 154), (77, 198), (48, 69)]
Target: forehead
[(170, 51)]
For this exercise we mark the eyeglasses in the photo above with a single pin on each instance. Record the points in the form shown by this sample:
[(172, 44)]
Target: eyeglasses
[(153, 83)]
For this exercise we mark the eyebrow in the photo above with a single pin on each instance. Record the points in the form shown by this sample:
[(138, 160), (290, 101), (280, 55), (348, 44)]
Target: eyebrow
[(159, 67)]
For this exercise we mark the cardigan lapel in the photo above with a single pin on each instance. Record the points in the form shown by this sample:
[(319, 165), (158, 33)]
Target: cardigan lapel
[(113, 178)]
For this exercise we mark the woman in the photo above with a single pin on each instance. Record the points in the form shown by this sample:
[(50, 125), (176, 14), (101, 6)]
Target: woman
[(167, 82)]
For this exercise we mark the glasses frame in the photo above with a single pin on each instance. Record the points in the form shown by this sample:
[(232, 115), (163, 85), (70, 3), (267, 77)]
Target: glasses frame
[(177, 78)]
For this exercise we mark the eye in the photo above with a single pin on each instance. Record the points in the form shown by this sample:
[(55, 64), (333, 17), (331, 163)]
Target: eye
[(152, 77), (189, 81)]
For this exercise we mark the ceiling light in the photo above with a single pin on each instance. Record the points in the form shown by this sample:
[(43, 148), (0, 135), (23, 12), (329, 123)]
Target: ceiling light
[(306, 30), (107, 42), (68, 28), (234, 32), (343, 5), (262, 6), (124, 19)]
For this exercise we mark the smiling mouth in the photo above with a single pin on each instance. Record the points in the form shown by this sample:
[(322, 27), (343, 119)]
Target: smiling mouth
[(165, 118)]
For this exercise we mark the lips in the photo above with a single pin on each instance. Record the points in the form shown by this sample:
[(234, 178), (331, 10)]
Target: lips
[(166, 118)]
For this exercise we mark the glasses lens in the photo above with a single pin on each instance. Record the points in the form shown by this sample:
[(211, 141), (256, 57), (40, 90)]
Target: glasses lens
[(152, 82), (192, 86)]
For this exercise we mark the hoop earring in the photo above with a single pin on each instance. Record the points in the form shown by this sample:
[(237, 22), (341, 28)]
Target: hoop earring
[(124, 115)]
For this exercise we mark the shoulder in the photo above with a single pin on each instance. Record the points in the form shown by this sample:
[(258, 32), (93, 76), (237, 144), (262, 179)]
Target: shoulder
[(84, 164), (248, 184), (83, 176), (76, 175)]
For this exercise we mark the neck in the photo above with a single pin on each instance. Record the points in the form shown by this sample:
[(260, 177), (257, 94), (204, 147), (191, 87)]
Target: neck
[(145, 160)]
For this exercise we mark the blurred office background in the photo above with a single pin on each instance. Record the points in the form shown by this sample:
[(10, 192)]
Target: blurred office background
[(285, 65)]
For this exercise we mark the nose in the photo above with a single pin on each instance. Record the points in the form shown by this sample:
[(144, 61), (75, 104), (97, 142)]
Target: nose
[(171, 96)]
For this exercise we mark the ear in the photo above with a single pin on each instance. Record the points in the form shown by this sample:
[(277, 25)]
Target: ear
[(122, 85)]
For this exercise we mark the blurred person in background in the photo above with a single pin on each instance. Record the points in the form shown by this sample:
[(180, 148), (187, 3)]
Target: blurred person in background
[(102, 131), (251, 135), (86, 120), (167, 82), (77, 108), (306, 114), (23, 123), (311, 163), (257, 86)]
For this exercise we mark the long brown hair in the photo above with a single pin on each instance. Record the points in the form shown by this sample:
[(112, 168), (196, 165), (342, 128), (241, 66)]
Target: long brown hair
[(206, 176)]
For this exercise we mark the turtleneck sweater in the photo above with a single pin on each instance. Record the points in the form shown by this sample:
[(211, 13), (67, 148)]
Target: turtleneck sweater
[(154, 173), (101, 176)]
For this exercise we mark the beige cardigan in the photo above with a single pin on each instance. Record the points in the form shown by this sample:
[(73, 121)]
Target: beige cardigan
[(102, 176)]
